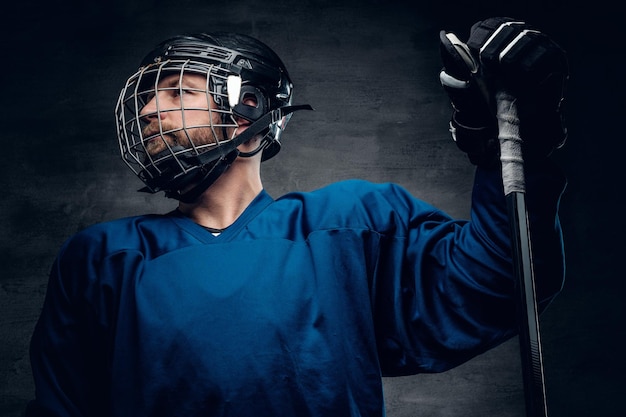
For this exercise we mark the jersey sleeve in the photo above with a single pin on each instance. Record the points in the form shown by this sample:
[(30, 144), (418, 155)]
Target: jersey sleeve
[(444, 291), (66, 358), (71, 344)]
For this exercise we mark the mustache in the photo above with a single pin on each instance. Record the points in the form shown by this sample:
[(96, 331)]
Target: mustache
[(154, 129)]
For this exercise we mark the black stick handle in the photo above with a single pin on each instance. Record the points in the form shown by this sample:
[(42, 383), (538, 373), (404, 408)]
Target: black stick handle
[(527, 313)]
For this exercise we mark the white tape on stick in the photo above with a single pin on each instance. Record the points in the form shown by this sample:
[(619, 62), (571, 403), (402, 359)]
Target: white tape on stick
[(510, 144)]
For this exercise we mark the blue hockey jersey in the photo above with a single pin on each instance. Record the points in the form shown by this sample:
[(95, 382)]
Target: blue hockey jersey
[(296, 309)]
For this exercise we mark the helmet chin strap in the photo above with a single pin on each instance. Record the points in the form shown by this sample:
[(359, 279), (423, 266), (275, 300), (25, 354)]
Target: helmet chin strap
[(209, 171), (207, 177), (264, 144), (210, 175), (254, 129)]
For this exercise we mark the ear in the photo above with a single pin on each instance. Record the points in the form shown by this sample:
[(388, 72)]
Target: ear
[(247, 96)]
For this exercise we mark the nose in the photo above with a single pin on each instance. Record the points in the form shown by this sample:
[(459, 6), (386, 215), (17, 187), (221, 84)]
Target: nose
[(151, 109)]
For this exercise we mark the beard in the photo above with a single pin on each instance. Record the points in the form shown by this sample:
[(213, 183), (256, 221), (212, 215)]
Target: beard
[(174, 138)]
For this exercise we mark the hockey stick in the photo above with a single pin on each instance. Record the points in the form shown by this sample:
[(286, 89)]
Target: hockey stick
[(527, 313)]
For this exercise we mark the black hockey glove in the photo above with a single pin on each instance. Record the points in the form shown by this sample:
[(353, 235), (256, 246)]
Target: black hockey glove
[(473, 124), (510, 55)]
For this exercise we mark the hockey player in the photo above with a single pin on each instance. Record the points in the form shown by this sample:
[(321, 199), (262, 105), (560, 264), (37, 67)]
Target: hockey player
[(238, 304)]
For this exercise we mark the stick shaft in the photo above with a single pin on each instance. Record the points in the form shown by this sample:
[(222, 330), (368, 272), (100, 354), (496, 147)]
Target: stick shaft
[(527, 312)]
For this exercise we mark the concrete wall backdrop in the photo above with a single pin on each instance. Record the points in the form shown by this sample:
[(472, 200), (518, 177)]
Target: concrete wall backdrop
[(370, 69)]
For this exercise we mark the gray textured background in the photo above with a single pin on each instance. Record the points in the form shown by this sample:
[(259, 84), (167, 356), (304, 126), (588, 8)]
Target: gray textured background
[(370, 69)]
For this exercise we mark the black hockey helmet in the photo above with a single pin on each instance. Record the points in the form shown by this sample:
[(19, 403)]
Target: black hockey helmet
[(237, 67)]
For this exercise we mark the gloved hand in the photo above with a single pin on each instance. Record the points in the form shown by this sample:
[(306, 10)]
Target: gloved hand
[(504, 54), (473, 124)]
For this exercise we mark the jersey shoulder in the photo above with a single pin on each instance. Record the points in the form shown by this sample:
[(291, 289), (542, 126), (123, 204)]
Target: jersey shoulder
[(140, 233), (355, 203)]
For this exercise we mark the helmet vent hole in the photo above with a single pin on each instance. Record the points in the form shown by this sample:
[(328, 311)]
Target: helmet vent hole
[(250, 99)]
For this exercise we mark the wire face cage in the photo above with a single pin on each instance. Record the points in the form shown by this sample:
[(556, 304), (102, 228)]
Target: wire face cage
[(193, 101), (171, 111)]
